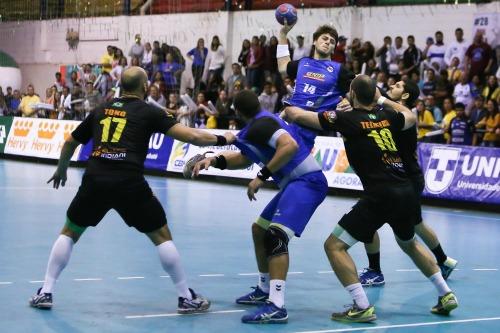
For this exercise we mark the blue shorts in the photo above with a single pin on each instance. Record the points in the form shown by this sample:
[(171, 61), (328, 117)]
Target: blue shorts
[(294, 205)]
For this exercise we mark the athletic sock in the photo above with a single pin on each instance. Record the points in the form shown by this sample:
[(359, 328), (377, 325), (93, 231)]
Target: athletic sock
[(374, 261), (264, 282), (440, 284), (439, 254), (59, 257), (358, 295), (277, 292), (171, 262)]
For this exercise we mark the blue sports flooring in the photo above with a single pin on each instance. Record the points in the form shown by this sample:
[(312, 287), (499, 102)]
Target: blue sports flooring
[(114, 281)]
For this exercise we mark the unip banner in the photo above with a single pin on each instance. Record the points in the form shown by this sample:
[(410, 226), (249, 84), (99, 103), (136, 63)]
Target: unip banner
[(5, 123), (38, 137), (160, 146), (330, 154), (182, 152), (462, 173)]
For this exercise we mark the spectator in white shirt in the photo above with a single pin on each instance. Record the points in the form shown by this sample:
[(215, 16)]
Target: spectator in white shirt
[(215, 62), (268, 98), (301, 51), (457, 49), (156, 96), (116, 72), (435, 53), (137, 50), (147, 59), (397, 53), (462, 92)]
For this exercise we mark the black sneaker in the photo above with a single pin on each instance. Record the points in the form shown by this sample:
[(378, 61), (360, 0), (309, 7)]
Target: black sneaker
[(197, 304), (41, 301), (445, 304)]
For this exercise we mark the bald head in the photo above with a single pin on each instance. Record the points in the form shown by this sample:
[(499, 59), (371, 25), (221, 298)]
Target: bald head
[(364, 89), (133, 80)]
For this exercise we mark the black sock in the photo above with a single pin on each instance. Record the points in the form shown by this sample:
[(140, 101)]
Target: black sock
[(374, 261), (439, 254)]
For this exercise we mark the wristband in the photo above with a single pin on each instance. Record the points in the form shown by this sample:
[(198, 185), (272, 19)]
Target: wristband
[(282, 51), (264, 173), (221, 140), (220, 162), (381, 100)]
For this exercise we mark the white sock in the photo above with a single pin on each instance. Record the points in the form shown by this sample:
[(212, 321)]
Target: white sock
[(264, 282), (277, 292), (440, 284), (59, 257), (171, 262), (358, 295)]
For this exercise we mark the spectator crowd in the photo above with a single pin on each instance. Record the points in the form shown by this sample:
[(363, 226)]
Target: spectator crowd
[(458, 80)]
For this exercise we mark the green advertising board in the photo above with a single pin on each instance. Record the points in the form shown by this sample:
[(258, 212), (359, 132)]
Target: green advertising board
[(5, 123)]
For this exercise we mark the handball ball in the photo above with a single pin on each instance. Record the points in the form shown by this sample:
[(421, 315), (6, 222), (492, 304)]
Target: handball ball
[(288, 12)]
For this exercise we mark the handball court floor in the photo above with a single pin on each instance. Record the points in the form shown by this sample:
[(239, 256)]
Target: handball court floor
[(114, 281)]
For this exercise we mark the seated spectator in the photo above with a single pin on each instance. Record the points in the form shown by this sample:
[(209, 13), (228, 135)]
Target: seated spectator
[(339, 55), (3, 105), (491, 124), (28, 100), (477, 114), (14, 103), (50, 98), (301, 51), (60, 83), (77, 103), (74, 80), (370, 68), (430, 105), (444, 88), (223, 107), (454, 71), (116, 72), (200, 117), (135, 62), (173, 103), (233, 124), (159, 82), (235, 78), (92, 98), (491, 90), (268, 98), (425, 121), (462, 92), (476, 87), (64, 107), (448, 114), (156, 96), (461, 128), (429, 85), (147, 59)]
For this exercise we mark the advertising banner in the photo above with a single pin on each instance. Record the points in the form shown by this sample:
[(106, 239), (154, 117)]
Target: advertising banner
[(158, 153), (182, 152), (463, 173), (38, 137), (5, 123), (330, 154)]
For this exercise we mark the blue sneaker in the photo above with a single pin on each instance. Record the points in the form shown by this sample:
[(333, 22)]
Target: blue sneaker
[(447, 267), (371, 278), (256, 297), (266, 314)]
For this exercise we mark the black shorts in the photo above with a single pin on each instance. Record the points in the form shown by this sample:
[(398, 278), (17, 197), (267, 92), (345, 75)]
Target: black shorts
[(395, 206), (418, 184), (131, 197)]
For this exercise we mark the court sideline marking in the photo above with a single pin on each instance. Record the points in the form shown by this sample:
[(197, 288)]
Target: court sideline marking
[(432, 323), (178, 314)]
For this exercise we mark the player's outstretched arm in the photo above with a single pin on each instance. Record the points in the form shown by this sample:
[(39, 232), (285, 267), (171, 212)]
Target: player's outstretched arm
[(282, 52), (67, 151), (302, 117), (199, 137), (225, 160)]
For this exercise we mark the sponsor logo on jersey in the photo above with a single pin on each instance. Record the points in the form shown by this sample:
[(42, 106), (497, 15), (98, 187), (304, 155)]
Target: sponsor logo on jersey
[(315, 76)]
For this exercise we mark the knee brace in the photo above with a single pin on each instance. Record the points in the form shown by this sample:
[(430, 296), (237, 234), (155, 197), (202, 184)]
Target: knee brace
[(275, 242)]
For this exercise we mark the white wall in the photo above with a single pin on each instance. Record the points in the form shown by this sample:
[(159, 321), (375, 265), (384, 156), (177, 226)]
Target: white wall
[(44, 42)]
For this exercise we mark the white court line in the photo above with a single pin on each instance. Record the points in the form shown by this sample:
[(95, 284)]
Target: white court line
[(408, 270), (130, 277), (464, 215), (211, 275), (164, 276), (178, 314), (42, 281), (88, 279), (325, 272), (248, 274), (294, 273), (485, 269), (6, 282), (432, 323)]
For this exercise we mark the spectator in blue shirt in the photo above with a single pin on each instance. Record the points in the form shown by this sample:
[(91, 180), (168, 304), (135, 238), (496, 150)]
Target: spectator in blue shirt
[(171, 71), (461, 128), (14, 102), (198, 55)]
